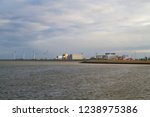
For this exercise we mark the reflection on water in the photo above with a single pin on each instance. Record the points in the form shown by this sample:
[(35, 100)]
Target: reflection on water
[(72, 80)]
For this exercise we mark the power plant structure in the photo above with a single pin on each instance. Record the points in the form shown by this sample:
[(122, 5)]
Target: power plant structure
[(66, 56)]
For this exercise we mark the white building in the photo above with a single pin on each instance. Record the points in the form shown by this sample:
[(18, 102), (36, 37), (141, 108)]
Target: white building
[(59, 57), (75, 57), (107, 56), (100, 56), (111, 56)]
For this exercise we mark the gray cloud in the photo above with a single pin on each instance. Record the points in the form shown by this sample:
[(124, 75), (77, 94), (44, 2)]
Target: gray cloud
[(75, 26)]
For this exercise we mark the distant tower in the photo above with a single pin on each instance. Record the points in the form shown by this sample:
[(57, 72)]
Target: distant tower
[(14, 55), (96, 54), (135, 55), (45, 55), (34, 55), (23, 55)]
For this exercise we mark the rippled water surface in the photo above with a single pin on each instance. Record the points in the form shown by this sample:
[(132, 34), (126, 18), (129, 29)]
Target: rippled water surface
[(73, 80)]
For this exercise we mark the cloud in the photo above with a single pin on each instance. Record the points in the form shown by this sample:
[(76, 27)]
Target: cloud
[(32, 26), (4, 22), (75, 26)]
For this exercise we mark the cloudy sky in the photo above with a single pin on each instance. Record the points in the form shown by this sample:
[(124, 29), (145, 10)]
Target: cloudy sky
[(53, 27)]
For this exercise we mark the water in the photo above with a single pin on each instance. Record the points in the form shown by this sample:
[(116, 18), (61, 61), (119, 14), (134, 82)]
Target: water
[(73, 80)]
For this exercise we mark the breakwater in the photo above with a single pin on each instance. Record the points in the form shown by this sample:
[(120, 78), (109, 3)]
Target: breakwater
[(116, 61)]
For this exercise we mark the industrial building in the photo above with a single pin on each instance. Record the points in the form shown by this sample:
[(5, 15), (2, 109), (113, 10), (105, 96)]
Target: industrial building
[(107, 56), (66, 56), (59, 57), (75, 57), (101, 57), (111, 56)]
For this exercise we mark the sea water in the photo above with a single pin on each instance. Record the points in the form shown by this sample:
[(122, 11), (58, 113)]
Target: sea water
[(46, 80)]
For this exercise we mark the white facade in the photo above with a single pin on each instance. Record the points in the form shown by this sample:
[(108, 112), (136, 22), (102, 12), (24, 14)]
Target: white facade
[(110, 56), (107, 56), (100, 56), (75, 57), (59, 57)]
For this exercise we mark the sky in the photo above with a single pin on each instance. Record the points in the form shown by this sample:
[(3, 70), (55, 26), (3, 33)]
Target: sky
[(49, 28)]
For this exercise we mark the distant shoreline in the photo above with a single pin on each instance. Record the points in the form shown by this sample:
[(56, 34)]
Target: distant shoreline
[(116, 62), (53, 60), (89, 61)]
